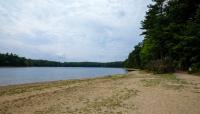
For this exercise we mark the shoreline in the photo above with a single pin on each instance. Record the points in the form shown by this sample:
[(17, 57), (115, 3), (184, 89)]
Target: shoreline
[(29, 75), (49, 84), (136, 92), (58, 81)]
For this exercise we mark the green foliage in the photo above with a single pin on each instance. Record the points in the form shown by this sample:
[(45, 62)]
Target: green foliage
[(161, 66), (195, 68), (14, 60), (171, 29), (134, 58)]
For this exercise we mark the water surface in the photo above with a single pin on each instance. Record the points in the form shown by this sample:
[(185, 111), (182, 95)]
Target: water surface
[(10, 76)]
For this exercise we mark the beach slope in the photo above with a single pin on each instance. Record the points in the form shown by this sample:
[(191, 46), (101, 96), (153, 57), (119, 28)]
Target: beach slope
[(137, 92)]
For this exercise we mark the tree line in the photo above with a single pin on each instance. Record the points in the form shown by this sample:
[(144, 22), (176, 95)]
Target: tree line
[(14, 60), (171, 31)]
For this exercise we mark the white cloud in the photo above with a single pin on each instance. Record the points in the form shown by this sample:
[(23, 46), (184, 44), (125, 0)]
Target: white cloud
[(71, 30)]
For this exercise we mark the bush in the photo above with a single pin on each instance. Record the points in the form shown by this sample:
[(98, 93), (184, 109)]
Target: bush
[(195, 68), (161, 66)]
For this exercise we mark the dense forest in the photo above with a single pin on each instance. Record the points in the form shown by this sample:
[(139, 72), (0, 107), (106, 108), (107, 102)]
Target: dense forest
[(14, 60), (171, 30)]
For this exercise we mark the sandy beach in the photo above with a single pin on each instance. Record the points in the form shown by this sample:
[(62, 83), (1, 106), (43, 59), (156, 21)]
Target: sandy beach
[(137, 92)]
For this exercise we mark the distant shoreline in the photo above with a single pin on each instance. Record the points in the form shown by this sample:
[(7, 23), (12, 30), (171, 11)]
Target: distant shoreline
[(15, 60)]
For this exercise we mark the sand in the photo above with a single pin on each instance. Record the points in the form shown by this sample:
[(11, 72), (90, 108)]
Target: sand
[(137, 92)]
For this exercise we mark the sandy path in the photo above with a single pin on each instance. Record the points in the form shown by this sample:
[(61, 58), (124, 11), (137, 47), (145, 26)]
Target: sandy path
[(135, 93)]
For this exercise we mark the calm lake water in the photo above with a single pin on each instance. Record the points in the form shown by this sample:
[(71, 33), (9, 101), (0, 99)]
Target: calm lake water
[(10, 76)]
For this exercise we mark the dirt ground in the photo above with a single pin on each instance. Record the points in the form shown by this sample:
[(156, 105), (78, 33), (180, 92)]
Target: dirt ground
[(137, 92)]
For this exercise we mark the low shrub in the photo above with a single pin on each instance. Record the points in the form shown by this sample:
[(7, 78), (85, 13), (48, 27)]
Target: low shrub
[(195, 68), (161, 66)]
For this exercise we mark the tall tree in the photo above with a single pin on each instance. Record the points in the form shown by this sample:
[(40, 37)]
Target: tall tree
[(171, 30)]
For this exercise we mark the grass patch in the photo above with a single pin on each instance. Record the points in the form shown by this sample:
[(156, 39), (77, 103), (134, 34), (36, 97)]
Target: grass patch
[(174, 87), (144, 71), (111, 103), (151, 82), (11, 90), (170, 77), (106, 105), (172, 82), (169, 81), (117, 76)]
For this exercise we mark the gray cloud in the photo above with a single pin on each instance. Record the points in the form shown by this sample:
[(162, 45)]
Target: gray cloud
[(71, 30)]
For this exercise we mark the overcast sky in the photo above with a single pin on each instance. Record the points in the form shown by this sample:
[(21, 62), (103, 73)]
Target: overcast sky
[(71, 30)]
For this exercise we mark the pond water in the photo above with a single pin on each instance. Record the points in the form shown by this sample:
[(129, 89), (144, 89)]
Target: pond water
[(21, 75)]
